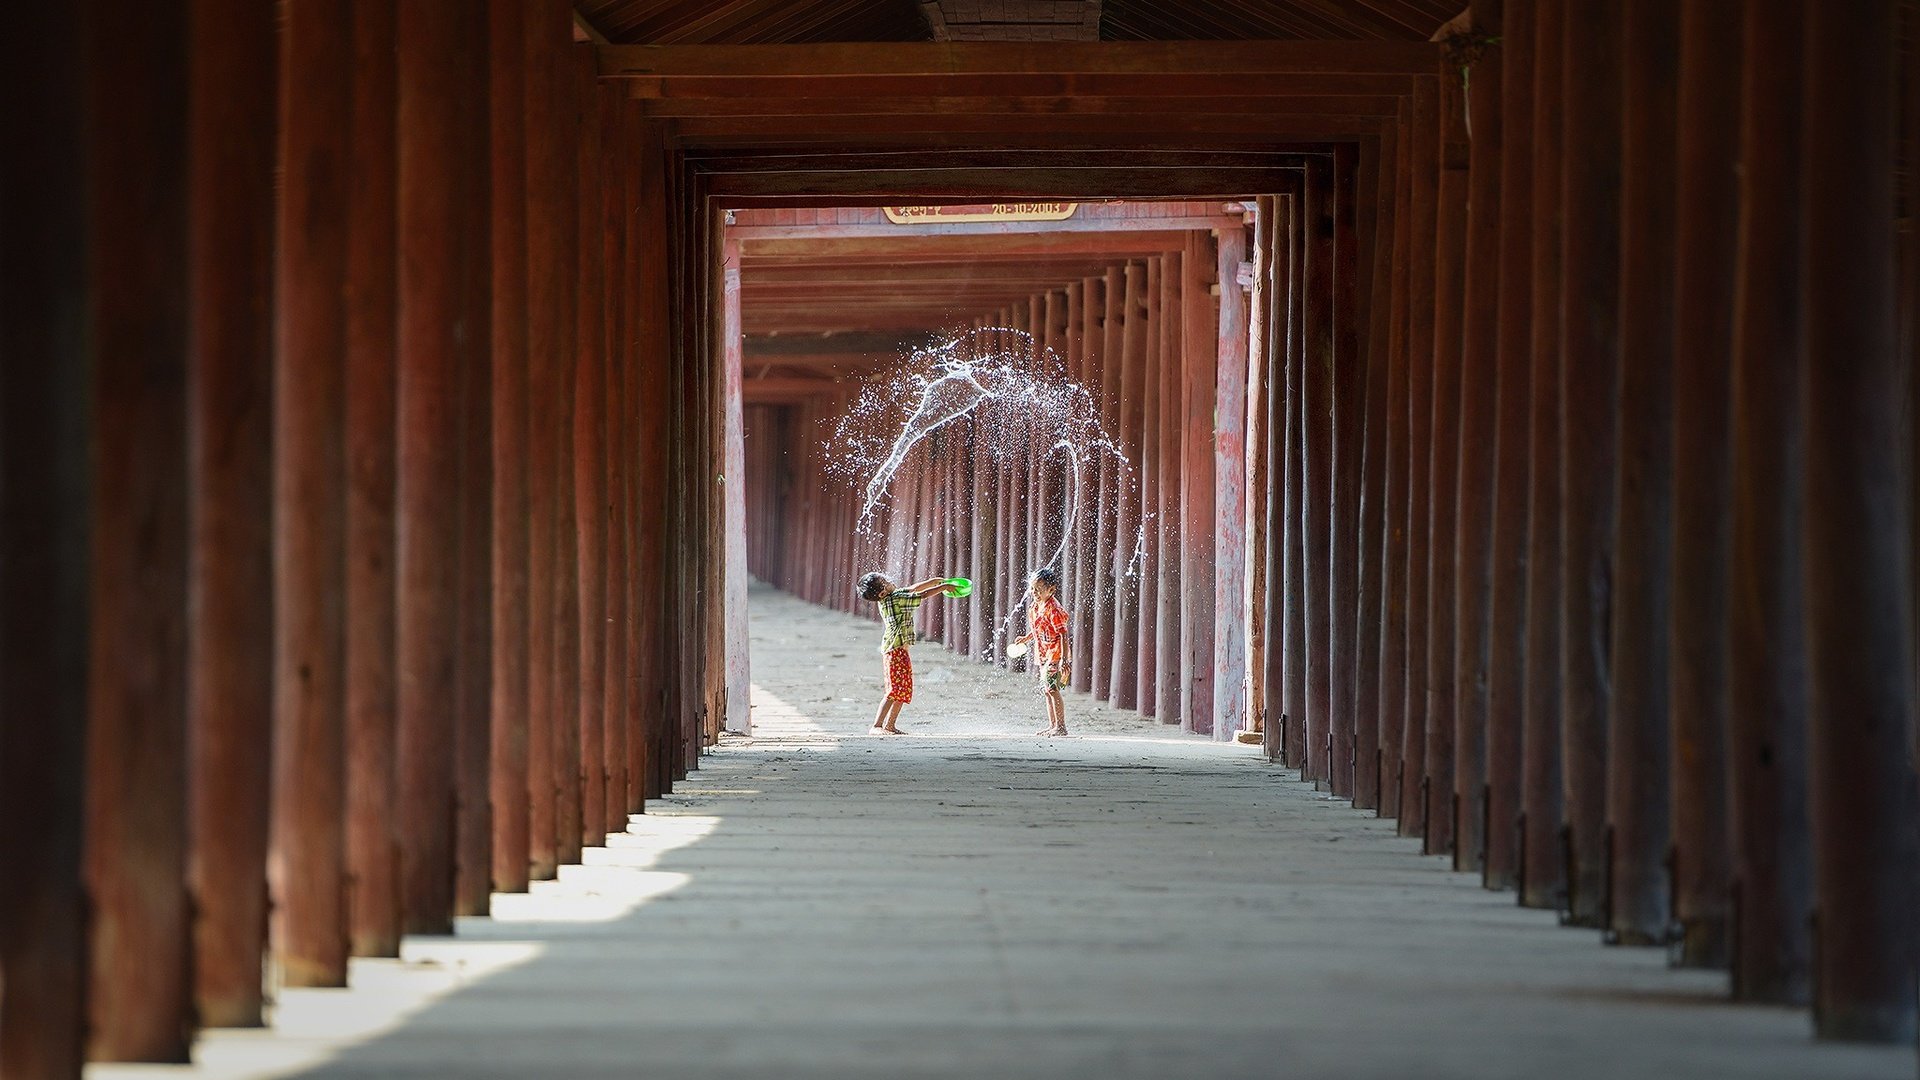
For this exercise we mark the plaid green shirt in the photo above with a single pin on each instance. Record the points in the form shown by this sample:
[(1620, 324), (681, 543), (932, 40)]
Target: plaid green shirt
[(896, 613)]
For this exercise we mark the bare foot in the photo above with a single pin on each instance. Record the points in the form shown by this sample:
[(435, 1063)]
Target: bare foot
[(878, 730), (1054, 731), (1044, 731)]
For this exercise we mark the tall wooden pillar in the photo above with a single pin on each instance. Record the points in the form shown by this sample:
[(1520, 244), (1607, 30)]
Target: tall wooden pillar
[(1199, 320), (1393, 557), (507, 142), (1443, 464), (1316, 449), (1107, 592), (1420, 327), (1370, 621), (1541, 870), (635, 522), (305, 869), (230, 572), (1257, 499), (1229, 436), (46, 395), (1292, 734), (1346, 387), (1167, 620), (1146, 474), (1707, 224), (1505, 648), (1866, 797), (1767, 656), (1129, 416), (443, 304), (590, 452), (1479, 387), (1589, 404), (373, 853), (1638, 780)]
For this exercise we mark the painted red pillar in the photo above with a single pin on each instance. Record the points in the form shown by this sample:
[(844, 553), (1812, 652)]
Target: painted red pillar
[(1380, 189), (1146, 480), (1129, 416), (1443, 463), (233, 73), (305, 868), (1316, 456), (1106, 596), (46, 437), (1866, 796), (1394, 561), (1173, 391), (1422, 249), (373, 853)]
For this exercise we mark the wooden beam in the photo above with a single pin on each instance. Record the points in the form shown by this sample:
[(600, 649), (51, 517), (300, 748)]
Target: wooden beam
[(988, 228), (1011, 58), (584, 29), (1020, 183), (1035, 84), (1242, 105)]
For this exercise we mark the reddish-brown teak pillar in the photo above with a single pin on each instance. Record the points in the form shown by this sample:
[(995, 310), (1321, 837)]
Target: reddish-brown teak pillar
[(1443, 463), (1707, 226), (46, 396), (1146, 479), (1505, 648), (1589, 407), (442, 354), (1865, 794), (1394, 562), (1173, 391), (1639, 784), (1315, 388), (1541, 871), (1129, 414), (309, 920), (507, 177), (233, 73), (1199, 321), (373, 856), (1425, 140), (1229, 437)]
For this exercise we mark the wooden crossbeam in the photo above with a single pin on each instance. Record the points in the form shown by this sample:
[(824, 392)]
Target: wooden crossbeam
[(984, 228), (1006, 246), (1003, 104), (1134, 58), (1011, 183), (935, 127), (1041, 85)]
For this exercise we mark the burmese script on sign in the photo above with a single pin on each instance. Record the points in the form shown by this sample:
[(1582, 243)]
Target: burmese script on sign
[(1046, 211)]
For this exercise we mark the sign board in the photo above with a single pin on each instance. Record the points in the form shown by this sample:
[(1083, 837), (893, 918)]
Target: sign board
[(920, 215)]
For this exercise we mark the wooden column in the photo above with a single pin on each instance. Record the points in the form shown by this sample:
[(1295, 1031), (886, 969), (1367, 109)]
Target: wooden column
[(1866, 797), (1167, 640), (46, 438), (305, 868), (1505, 647), (1292, 737), (1347, 387), (1707, 223), (1129, 416), (1368, 776), (1199, 318), (609, 107), (1767, 740), (1394, 559), (1443, 463), (1229, 436), (1420, 375), (652, 481), (443, 300), (1541, 871), (1316, 462), (639, 705), (1092, 307), (506, 100), (233, 77), (1146, 478), (373, 853), (1479, 387), (589, 454), (1257, 499), (1107, 593), (1589, 403), (1638, 780), (982, 615)]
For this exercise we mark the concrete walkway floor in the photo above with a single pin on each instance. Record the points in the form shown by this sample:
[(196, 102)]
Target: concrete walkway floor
[(972, 901)]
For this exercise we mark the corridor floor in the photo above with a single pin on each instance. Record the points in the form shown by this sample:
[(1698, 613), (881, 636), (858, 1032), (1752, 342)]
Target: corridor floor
[(972, 901)]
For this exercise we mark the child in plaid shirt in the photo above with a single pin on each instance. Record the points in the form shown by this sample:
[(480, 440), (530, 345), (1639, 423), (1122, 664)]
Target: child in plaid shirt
[(896, 616)]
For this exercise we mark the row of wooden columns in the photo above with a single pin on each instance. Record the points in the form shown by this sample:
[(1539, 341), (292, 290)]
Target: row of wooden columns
[(1155, 342), (1623, 621), (336, 449)]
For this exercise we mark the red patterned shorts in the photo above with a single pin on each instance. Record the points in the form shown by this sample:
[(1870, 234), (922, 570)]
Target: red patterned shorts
[(900, 676)]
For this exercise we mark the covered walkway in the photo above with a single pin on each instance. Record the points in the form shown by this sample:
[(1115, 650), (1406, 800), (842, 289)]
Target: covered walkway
[(975, 902)]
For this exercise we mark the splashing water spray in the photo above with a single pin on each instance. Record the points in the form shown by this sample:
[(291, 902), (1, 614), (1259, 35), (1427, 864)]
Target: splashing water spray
[(1011, 394)]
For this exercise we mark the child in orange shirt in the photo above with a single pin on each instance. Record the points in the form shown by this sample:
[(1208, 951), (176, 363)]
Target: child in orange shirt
[(1047, 633)]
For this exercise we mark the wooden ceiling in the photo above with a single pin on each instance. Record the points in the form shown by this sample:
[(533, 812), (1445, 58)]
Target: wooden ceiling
[(686, 22)]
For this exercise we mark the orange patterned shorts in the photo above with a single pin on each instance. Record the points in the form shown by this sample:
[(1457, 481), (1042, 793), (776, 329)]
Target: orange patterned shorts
[(900, 676)]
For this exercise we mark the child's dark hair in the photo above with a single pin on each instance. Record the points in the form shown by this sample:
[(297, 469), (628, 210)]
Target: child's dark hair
[(870, 586), (1047, 576)]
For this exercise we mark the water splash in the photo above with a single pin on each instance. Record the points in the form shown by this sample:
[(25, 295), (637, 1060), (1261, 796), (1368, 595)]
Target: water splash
[(1007, 396)]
